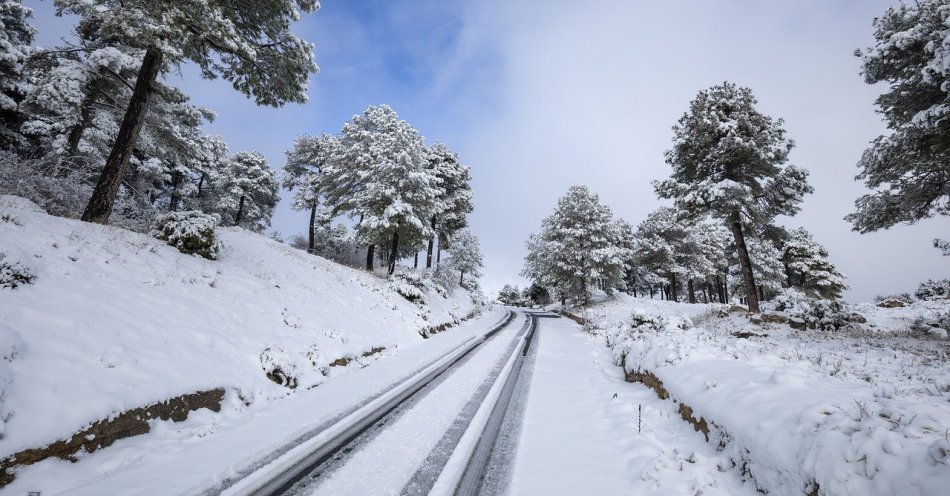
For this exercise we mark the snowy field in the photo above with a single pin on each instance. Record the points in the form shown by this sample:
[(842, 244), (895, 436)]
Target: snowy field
[(114, 320), (862, 411)]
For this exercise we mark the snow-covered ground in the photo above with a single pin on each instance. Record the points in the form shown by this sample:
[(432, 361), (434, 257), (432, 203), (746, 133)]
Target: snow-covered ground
[(864, 411), (114, 320), (580, 431)]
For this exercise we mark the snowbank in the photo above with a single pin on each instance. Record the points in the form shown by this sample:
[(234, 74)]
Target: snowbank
[(844, 413), (113, 320)]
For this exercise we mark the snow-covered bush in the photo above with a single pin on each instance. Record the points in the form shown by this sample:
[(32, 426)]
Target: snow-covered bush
[(409, 285), (894, 301), (642, 322), (936, 324), (14, 273), (933, 290), (814, 313), (191, 232), (62, 195)]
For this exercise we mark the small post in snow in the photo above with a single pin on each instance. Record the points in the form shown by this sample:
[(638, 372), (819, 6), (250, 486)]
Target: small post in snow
[(639, 417)]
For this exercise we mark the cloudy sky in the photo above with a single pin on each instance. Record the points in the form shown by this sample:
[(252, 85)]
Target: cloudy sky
[(537, 96)]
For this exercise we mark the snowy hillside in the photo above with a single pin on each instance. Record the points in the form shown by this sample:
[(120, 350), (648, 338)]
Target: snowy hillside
[(862, 410), (112, 320)]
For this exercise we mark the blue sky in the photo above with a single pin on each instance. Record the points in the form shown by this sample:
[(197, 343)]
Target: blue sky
[(537, 96)]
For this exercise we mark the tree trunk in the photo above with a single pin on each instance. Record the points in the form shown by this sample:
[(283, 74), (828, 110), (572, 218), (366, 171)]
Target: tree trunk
[(176, 198), (201, 182), (461, 275), (745, 263), (370, 251), (761, 293), (311, 236), (438, 253), (240, 212), (690, 288), (393, 248), (75, 134), (103, 197), (673, 294), (415, 265), (431, 243)]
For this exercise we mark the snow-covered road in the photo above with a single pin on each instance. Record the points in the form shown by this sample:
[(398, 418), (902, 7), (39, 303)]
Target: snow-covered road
[(579, 432)]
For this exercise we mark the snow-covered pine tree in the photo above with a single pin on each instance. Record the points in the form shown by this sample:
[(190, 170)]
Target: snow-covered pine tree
[(454, 199), (302, 174), (728, 161), (381, 176), (466, 255), (248, 192), (808, 268), (509, 295), (249, 44), (16, 38), (907, 168), (576, 247), (536, 294), (668, 243)]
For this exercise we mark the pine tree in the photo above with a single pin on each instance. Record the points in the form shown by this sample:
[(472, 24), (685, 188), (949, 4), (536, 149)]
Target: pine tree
[(727, 161), (381, 176), (302, 174), (807, 266), (15, 40), (248, 192), (509, 295), (249, 44), (454, 198), (466, 255), (577, 247), (907, 169)]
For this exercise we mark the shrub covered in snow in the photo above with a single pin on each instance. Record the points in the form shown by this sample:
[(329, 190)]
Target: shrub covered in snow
[(13, 273), (814, 313), (191, 232), (409, 285), (931, 290)]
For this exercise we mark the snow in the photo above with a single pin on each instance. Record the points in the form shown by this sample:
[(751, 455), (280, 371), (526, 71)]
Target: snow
[(856, 412), (115, 320), (579, 434)]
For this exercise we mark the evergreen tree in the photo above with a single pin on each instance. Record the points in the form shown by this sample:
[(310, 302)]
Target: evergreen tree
[(577, 247), (907, 169), (249, 44), (807, 266), (466, 255), (454, 198), (381, 176), (15, 40), (537, 294), (509, 295), (727, 161), (248, 192), (308, 157)]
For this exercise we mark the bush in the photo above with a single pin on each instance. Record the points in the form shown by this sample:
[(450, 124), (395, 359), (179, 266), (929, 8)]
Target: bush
[(933, 290), (191, 232), (642, 322), (408, 284), (828, 315), (14, 274)]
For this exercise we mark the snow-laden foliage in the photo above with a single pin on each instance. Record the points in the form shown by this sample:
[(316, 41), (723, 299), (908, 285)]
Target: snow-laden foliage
[(248, 192), (512, 296), (249, 44), (309, 155), (816, 313), (933, 290), (580, 247), (16, 37), (466, 257), (729, 161), (381, 177), (943, 245), (808, 268), (906, 169), (192, 232), (453, 201)]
